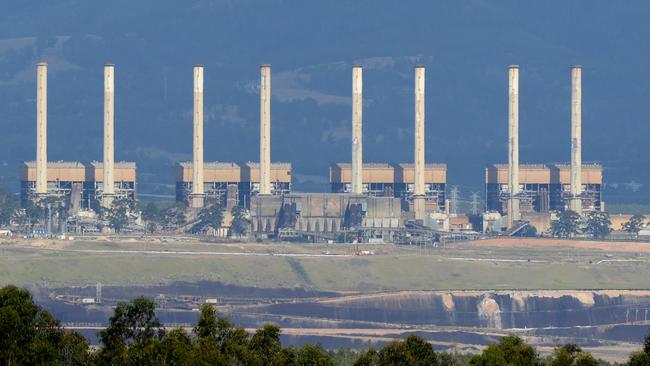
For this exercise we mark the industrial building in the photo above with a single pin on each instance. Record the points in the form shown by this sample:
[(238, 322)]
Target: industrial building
[(382, 196), (80, 184), (522, 192), (367, 196), (230, 184), (324, 213), (394, 180), (543, 187)]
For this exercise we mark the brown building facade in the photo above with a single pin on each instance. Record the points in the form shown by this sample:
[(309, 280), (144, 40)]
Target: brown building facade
[(393, 180), (544, 187), (231, 183), (81, 183)]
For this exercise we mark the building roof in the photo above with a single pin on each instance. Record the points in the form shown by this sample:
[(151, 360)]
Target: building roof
[(545, 166), (118, 164), (388, 173), (60, 164), (592, 173), (57, 164), (277, 165), (426, 166), (233, 172), (388, 165), (210, 164), (76, 171)]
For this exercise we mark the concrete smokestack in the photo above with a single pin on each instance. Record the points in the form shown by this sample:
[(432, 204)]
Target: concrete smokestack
[(357, 132), (265, 130), (197, 166), (576, 138), (41, 128), (513, 144), (109, 129), (418, 192)]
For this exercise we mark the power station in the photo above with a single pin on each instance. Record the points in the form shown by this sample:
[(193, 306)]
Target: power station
[(379, 197), (229, 183), (527, 193), (73, 184)]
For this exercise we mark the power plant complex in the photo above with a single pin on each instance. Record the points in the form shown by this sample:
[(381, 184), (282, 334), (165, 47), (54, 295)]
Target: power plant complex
[(80, 185), (380, 198), (528, 192)]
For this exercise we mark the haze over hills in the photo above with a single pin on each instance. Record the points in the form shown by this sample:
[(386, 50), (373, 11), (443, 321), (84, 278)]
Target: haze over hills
[(311, 45)]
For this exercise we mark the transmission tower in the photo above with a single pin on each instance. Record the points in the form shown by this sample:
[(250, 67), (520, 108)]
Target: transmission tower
[(453, 200), (98, 295), (475, 210)]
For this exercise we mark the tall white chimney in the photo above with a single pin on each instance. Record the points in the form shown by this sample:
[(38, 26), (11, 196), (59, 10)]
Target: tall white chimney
[(197, 199), (576, 139), (109, 120), (265, 130), (41, 128), (357, 133), (419, 166), (513, 144)]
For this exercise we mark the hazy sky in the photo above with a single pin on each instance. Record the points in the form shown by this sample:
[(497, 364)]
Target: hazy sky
[(466, 47)]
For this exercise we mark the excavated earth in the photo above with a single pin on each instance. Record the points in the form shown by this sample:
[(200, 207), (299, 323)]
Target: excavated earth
[(325, 294)]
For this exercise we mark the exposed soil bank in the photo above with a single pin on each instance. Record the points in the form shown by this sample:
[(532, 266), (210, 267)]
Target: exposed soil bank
[(609, 323), (495, 310)]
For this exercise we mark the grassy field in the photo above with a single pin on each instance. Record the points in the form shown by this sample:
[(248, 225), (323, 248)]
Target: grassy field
[(269, 266)]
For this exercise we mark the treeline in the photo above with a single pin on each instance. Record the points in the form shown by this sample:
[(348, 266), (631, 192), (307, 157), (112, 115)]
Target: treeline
[(30, 335)]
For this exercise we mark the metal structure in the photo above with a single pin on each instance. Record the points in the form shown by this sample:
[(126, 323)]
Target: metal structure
[(98, 293), (544, 187), (323, 213), (475, 203), (81, 184), (394, 180), (231, 184), (454, 198)]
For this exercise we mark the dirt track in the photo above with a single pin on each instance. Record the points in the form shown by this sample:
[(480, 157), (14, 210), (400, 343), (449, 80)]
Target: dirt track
[(547, 243)]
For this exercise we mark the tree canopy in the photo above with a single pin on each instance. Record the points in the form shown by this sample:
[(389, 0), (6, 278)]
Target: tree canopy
[(567, 224), (209, 217), (571, 354), (117, 215), (511, 350), (240, 222), (8, 207), (634, 224), (598, 225), (29, 335)]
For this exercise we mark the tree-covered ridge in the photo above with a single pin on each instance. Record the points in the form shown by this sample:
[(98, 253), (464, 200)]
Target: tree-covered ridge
[(30, 335)]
